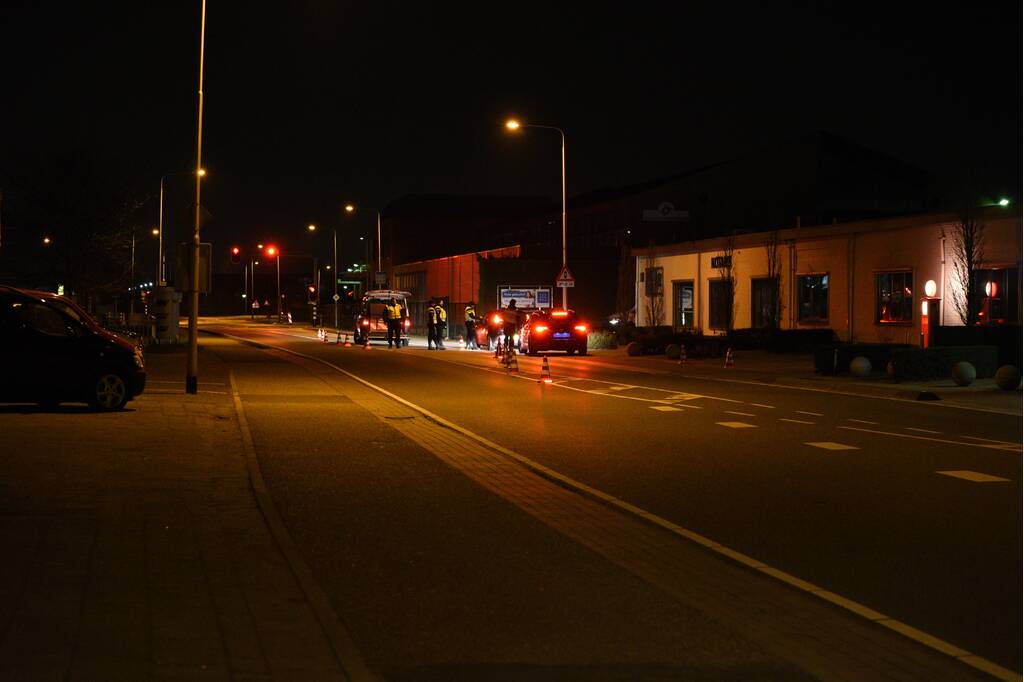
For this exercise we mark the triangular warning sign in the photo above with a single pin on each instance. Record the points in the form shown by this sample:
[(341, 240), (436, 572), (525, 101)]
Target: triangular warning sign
[(564, 275)]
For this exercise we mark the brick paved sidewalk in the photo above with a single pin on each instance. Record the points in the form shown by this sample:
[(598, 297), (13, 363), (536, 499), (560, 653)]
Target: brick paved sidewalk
[(133, 546)]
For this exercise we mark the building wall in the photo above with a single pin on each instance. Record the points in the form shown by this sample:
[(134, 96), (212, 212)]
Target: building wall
[(916, 244)]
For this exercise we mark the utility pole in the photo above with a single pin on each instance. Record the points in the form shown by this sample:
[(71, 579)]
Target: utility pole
[(192, 373)]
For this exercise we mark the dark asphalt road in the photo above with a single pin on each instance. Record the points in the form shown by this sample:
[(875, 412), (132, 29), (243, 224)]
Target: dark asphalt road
[(838, 490)]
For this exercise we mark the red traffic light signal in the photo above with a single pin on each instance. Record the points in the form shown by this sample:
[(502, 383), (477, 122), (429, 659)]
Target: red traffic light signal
[(236, 255), (311, 289), (270, 251)]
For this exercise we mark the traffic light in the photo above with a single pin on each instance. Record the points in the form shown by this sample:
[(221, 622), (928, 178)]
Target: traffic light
[(270, 251), (236, 255), (312, 293)]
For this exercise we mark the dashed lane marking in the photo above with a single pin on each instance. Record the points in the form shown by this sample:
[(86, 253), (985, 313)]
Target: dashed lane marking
[(742, 414), (692, 407), (861, 421), (829, 445), (974, 476), (796, 421), (990, 440), (737, 425), (911, 428), (813, 414), (665, 408), (988, 446), (767, 407)]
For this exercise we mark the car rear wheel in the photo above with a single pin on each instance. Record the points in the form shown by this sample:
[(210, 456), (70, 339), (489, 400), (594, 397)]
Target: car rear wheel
[(109, 392), (570, 350), (583, 350)]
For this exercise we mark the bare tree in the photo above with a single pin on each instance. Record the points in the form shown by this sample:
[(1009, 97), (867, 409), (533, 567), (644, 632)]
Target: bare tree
[(654, 292), (771, 247), (727, 272), (967, 242)]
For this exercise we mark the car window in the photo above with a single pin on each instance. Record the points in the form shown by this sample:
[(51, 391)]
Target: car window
[(46, 320)]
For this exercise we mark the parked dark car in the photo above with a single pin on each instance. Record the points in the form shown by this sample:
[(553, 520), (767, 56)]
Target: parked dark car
[(554, 330), (52, 352), (491, 328)]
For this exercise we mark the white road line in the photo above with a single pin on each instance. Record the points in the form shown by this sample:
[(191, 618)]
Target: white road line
[(742, 414), (829, 445), (974, 476), (767, 407), (860, 610), (813, 414), (911, 428), (796, 421), (665, 408), (987, 446), (989, 440), (737, 425), (691, 407), (862, 421)]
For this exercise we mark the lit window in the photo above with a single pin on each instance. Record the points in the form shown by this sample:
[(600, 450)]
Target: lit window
[(894, 297)]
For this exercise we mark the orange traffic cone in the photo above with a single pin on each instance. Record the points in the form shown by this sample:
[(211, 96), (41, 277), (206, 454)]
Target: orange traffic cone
[(545, 372), (462, 343), (498, 351), (337, 339), (348, 344), (729, 363)]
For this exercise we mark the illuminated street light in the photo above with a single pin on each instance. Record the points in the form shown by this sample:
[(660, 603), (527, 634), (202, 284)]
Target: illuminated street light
[(46, 240), (156, 233), (351, 208), (311, 228), (1004, 202), (514, 125)]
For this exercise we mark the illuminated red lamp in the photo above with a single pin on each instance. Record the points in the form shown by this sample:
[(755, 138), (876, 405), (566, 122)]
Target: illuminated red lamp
[(496, 319), (540, 329), (581, 328), (559, 313), (270, 251)]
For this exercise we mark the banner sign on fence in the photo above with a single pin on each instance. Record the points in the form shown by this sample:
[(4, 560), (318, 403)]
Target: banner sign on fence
[(527, 297)]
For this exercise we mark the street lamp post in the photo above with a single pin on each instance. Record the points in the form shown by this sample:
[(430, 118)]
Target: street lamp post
[(334, 277), (514, 125), (352, 209), (192, 375)]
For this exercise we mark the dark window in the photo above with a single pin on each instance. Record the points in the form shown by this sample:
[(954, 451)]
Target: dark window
[(720, 304), (653, 282), (894, 297), (998, 292), (764, 302), (812, 298)]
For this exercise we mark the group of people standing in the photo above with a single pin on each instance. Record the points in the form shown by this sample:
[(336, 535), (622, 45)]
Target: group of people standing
[(437, 324)]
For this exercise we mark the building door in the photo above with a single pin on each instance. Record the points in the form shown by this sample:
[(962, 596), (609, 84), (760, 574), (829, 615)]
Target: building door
[(764, 302), (682, 304)]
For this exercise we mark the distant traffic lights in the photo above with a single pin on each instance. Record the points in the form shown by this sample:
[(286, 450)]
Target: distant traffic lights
[(236, 255), (270, 251), (311, 290)]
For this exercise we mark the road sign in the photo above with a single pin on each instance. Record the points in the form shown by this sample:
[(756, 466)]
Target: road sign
[(336, 297), (381, 278), (565, 279)]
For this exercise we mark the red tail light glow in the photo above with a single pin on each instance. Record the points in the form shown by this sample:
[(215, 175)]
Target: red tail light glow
[(581, 328), (408, 323), (496, 319), (366, 323), (559, 313), (540, 328)]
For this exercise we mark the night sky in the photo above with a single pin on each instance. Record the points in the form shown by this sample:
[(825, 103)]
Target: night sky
[(312, 103)]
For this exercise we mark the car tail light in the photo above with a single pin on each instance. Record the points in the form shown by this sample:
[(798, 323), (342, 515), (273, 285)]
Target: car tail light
[(408, 323), (581, 328), (559, 313), (366, 323), (540, 328), (496, 319)]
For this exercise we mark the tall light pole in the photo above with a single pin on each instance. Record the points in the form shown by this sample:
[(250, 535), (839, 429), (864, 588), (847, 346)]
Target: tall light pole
[(334, 277), (272, 252), (161, 280), (514, 125), (352, 209), (192, 375)]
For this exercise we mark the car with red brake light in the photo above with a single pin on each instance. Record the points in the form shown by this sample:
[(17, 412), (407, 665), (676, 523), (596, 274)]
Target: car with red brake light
[(370, 322), (556, 329), (491, 328)]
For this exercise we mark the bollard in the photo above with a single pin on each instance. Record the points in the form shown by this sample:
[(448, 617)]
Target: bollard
[(729, 363)]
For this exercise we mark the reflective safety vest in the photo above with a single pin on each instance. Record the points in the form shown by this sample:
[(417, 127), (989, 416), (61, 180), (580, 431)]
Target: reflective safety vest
[(394, 311), (442, 316), (432, 315), (470, 313)]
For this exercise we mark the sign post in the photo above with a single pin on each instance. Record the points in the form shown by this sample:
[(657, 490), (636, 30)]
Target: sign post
[(565, 281)]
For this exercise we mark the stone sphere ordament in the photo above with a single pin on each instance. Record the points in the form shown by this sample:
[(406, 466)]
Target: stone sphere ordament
[(634, 348), (860, 366), (1008, 377), (964, 373)]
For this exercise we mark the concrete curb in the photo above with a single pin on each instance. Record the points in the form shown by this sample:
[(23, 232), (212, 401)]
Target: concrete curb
[(342, 644)]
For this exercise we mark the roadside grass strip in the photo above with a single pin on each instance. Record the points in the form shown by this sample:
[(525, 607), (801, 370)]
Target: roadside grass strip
[(974, 476)]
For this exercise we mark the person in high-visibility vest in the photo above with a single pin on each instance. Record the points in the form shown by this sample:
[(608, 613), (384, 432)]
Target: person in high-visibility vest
[(431, 324), (440, 331), (471, 326), (393, 315)]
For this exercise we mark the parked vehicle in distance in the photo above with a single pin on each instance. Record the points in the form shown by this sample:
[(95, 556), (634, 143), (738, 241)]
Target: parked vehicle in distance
[(54, 352), (370, 322), (491, 328), (548, 330)]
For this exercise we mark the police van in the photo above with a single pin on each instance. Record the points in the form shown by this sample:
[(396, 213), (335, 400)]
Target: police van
[(371, 325)]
